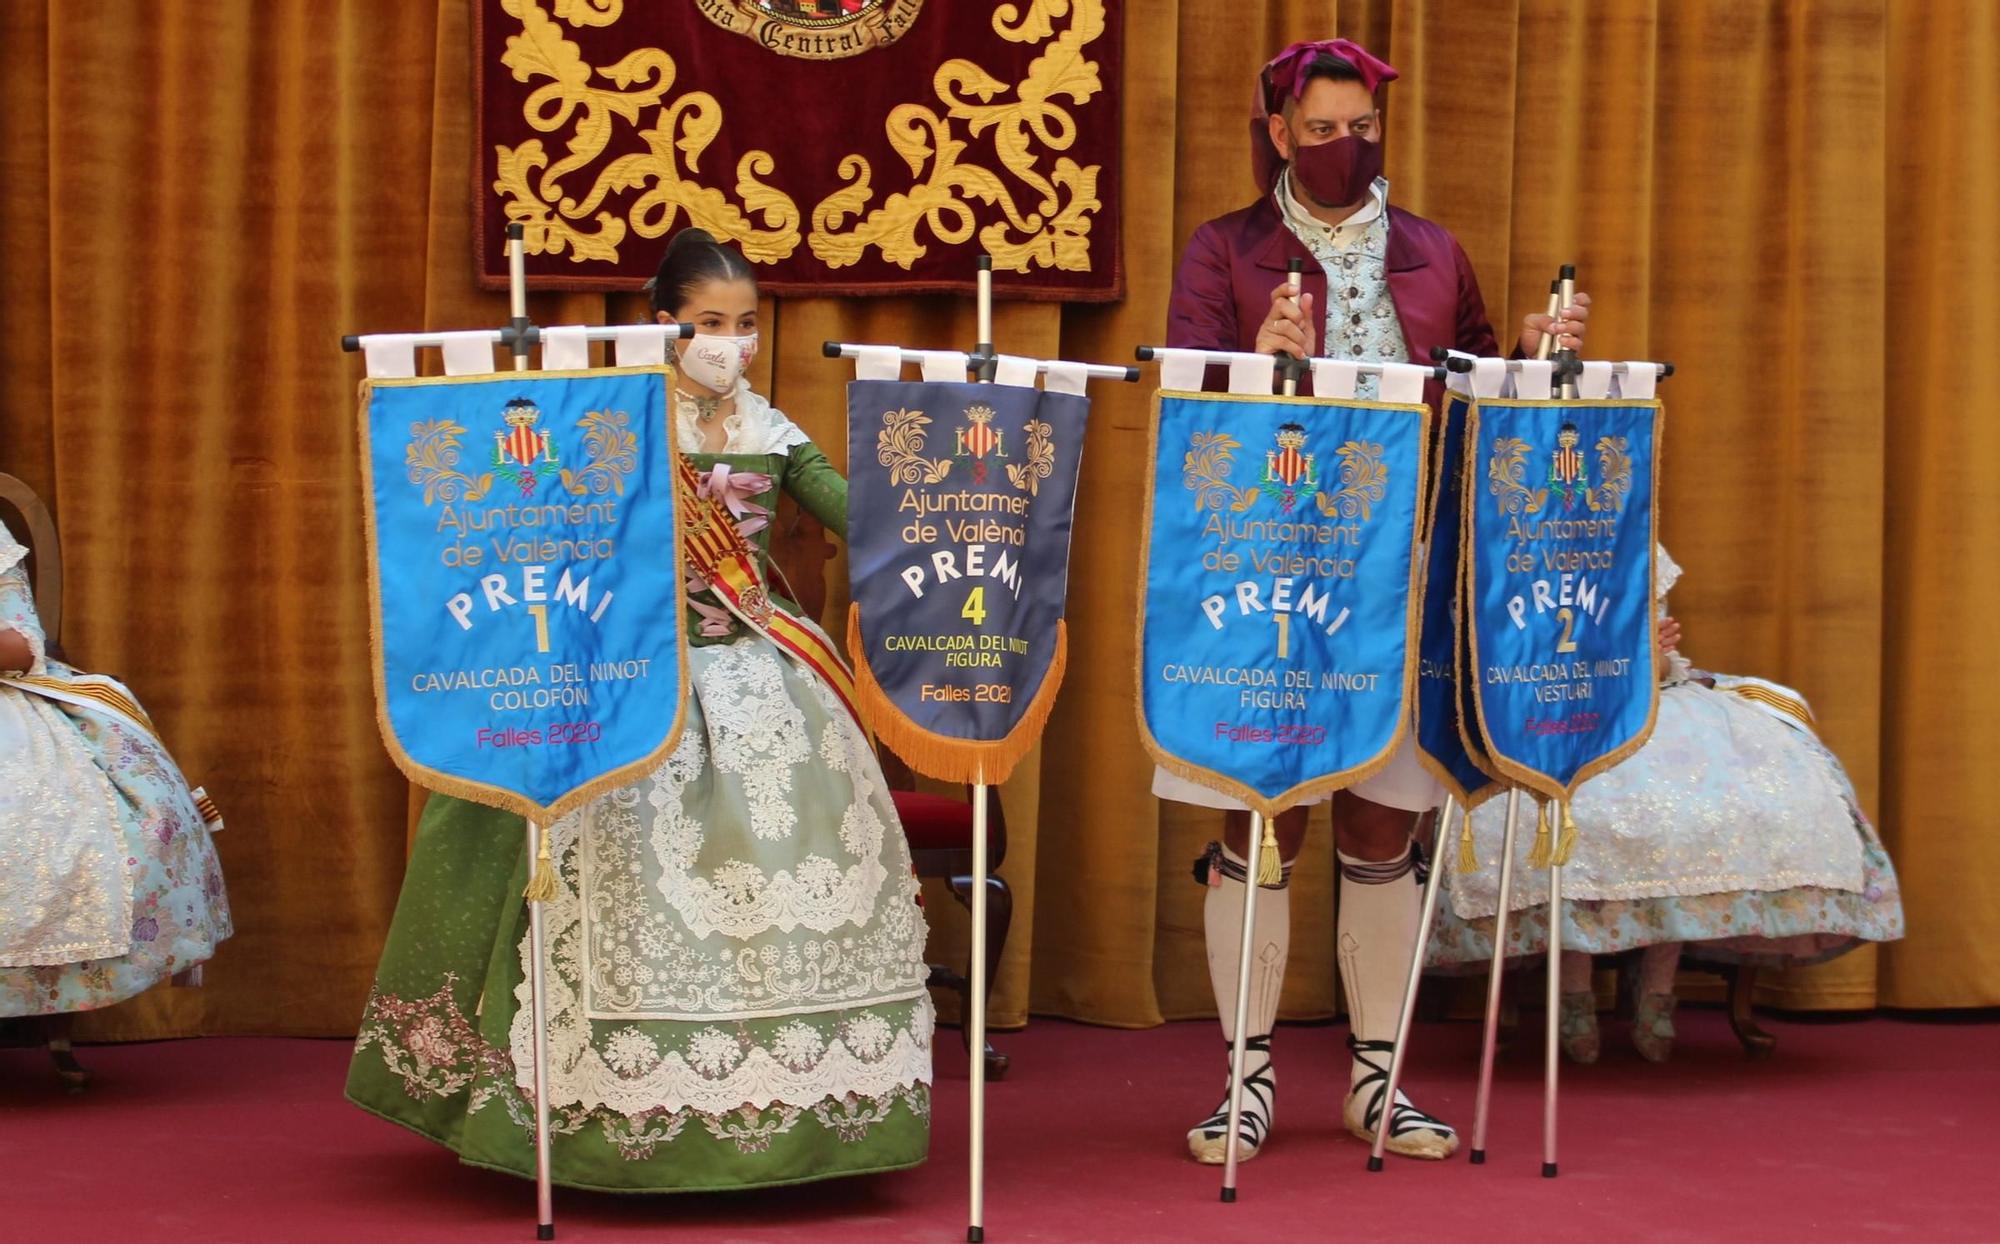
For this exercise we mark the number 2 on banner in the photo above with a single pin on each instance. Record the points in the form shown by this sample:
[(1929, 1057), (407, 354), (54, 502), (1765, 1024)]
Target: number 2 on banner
[(541, 616), (1568, 619), (975, 607)]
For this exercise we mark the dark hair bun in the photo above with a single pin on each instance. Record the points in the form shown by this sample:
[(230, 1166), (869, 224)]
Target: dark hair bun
[(693, 257)]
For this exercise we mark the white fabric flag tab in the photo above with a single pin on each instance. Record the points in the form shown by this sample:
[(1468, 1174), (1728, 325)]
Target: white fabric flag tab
[(566, 348), (1182, 370), (1489, 377), (1639, 380), (878, 363), (1252, 373), (1066, 377), (1458, 381), (1595, 382), (1012, 369), (1334, 378), (944, 365), (389, 357), (1403, 383), (468, 353), (642, 345), (1535, 377)]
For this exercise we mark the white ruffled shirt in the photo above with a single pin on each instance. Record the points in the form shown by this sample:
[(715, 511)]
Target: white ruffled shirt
[(753, 427)]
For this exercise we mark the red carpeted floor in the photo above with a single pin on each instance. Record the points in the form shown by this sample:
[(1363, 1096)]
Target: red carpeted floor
[(1868, 1130)]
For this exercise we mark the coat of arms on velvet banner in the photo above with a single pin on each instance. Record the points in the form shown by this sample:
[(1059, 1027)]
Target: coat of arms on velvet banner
[(846, 146)]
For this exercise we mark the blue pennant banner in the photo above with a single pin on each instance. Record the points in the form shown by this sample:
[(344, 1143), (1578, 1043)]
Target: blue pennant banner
[(960, 500), (1441, 744), (1559, 522), (1280, 591), (526, 582)]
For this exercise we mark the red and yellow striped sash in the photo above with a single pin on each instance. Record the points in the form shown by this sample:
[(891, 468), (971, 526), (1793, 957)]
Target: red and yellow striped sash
[(1770, 697), (93, 692), (87, 692), (719, 554)]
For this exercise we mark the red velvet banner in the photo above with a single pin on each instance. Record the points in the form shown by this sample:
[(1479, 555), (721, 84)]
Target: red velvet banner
[(847, 146)]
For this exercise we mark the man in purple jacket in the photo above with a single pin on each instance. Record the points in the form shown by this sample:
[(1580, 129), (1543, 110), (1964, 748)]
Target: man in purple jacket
[(1380, 285)]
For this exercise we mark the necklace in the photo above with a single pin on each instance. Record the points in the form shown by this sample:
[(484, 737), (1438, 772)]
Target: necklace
[(705, 408)]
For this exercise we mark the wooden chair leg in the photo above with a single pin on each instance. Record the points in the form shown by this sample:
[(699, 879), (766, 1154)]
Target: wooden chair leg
[(1742, 1021), (999, 918), (56, 1030)]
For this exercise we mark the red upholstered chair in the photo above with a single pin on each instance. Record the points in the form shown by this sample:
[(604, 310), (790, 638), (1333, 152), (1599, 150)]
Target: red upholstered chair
[(939, 827), (35, 527)]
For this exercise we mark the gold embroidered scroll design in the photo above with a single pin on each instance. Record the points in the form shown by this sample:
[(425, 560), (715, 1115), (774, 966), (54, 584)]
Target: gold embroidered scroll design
[(1045, 210), (432, 461), (900, 447), (1205, 469), (1364, 480), (1506, 473), (573, 98)]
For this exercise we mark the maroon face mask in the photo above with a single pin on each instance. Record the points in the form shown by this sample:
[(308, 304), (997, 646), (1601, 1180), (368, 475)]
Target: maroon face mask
[(1337, 173)]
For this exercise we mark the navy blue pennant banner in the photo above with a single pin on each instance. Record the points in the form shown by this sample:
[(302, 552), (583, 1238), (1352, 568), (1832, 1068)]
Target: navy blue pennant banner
[(1281, 591), (1559, 527), (525, 578), (960, 499), (1441, 744)]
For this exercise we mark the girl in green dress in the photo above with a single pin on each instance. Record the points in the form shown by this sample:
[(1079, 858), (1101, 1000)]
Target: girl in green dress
[(736, 976)]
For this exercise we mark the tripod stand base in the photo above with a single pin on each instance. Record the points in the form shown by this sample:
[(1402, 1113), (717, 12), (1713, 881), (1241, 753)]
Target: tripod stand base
[(1477, 1157), (1548, 1170), (1374, 1163), (975, 1235), (545, 1231), (1229, 1196)]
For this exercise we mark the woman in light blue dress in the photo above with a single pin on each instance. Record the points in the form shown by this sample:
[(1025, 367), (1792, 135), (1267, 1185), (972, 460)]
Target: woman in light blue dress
[(109, 881), (1733, 831)]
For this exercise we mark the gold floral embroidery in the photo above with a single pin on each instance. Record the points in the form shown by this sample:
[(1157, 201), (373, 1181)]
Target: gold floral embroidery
[(432, 461), (1505, 473), (1364, 478), (1029, 475), (1044, 201), (686, 126), (1054, 231), (1210, 458), (1614, 467), (611, 452), (900, 447)]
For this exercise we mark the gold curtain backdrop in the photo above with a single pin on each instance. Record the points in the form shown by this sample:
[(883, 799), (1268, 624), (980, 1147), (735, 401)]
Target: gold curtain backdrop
[(1794, 201)]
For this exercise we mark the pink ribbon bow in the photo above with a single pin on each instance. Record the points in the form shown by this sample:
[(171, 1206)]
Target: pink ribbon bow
[(734, 489), (715, 620)]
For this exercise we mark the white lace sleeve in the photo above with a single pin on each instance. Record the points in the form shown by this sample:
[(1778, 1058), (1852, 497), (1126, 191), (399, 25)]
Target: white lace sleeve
[(17, 603), (1666, 573), (758, 427)]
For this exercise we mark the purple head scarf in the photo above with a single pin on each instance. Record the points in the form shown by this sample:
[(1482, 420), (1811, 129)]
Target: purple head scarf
[(1285, 77)]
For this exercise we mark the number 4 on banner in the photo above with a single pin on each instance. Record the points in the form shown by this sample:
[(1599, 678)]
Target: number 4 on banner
[(975, 606)]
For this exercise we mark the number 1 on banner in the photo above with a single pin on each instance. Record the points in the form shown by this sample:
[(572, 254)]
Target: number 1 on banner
[(975, 606), (1284, 621), (541, 616)]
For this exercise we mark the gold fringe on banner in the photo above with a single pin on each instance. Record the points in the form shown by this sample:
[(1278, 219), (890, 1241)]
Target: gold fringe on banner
[(1543, 852), (1468, 856), (939, 755)]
